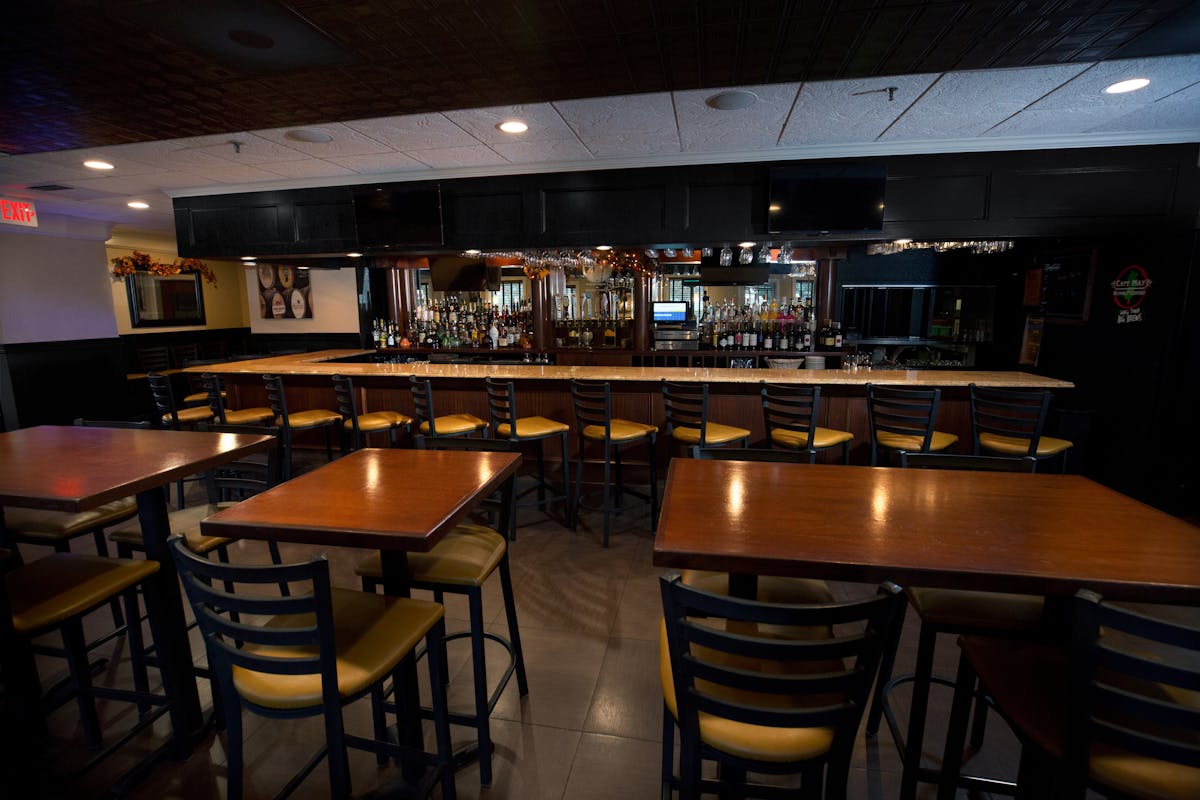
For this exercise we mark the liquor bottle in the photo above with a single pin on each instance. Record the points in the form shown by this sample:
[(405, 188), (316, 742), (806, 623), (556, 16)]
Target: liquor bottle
[(826, 339), (808, 336), (837, 336), (494, 333), (768, 339)]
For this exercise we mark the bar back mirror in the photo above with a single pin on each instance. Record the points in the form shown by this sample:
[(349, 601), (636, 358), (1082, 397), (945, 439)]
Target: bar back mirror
[(165, 300)]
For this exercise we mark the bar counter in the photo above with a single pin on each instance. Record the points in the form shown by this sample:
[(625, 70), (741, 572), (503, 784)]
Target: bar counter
[(543, 390), (319, 364)]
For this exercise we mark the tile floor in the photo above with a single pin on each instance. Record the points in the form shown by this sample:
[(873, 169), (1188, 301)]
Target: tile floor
[(590, 727)]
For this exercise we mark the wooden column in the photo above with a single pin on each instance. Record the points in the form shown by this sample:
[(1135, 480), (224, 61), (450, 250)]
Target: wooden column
[(539, 290), (401, 290), (825, 287), (641, 310)]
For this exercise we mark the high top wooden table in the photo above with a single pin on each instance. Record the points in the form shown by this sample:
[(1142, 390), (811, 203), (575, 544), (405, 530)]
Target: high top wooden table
[(991, 531), (78, 469)]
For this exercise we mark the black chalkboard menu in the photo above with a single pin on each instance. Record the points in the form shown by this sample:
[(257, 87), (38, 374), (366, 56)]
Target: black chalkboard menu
[(1067, 284)]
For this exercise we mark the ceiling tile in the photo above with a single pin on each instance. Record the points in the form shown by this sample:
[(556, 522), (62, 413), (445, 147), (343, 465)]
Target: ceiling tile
[(414, 132), (549, 152), (1081, 104), (378, 162), (624, 125), (346, 141), (754, 128), (849, 111), (449, 157), (308, 168), (544, 123), (966, 104), (250, 149), (141, 184), (1179, 111), (238, 173)]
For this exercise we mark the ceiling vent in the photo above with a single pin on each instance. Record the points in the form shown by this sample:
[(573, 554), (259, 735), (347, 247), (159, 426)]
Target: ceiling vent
[(49, 187)]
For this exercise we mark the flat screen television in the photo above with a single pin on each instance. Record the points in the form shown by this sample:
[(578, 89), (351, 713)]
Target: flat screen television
[(395, 215), (670, 311), (458, 274), (713, 274), (825, 198)]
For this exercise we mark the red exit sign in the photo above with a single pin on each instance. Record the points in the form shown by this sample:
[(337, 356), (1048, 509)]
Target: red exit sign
[(18, 212)]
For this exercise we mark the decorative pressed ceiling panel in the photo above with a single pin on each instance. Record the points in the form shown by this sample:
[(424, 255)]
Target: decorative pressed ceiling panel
[(86, 74)]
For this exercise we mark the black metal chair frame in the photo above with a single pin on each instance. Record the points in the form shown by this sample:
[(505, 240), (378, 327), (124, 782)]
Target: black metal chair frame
[(872, 621), (906, 412), (224, 637), (1019, 413), (1100, 703), (593, 407), (347, 406), (422, 395), (686, 406), (502, 410), (794, 408), (277, 400), (164, 401), (909, 743)]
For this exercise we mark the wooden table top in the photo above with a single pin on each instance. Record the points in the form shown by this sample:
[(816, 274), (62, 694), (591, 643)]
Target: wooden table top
[(70, 468), (319, 364), (384, 499), (1044, 534)]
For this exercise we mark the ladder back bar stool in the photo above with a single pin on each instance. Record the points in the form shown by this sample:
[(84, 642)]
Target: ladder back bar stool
[(223, 415), (173, 417), (1010, 422), (789, 419), (595, 424), (354, 424), (445, 425), (686, 406), (505, 424), (460, 564), (904, 419), (289, 423)]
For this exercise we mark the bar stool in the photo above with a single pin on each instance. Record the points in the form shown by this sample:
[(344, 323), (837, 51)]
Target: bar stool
[(433, 425), (1009, 422), (505, 424), (357, 424), (215, 395), (595, 423), (460, 564), (288, 423), (903, 419), (789, 414), (686, 407), (173, 417)]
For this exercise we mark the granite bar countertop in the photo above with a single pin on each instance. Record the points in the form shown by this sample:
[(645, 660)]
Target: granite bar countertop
[(319, 364)]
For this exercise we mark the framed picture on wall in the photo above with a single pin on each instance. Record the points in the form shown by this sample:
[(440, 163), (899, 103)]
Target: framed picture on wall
[(1067, 285), (284, 292)]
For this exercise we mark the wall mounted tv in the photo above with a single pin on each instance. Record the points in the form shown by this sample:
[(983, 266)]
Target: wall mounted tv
[(457, 274), (825, 198), (395, 215), (713, 274)]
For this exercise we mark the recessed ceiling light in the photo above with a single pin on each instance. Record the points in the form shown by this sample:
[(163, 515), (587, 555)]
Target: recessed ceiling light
[(311, 135), (354, 255), (97, 165), (901, 241), (250, 264), (604, 247), (732, 100), (249, 258), (472, 252), (139, 204), (1131, 85), (513, 126), (747, 244), (774, 207)]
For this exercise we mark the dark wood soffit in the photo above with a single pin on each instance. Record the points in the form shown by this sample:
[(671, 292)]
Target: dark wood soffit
[(82, 74)]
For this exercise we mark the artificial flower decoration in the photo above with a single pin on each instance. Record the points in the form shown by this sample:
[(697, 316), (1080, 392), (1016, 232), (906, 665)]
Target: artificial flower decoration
[(142, 262)]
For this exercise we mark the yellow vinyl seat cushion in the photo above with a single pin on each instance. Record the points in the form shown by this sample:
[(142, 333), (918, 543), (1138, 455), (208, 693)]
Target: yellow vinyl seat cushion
[(771, 588), (313, 418), (622, 430), (379, 421), (40, 526), (51, 590), (714, 433), (199, 397), (740, 739), (896, 441), (189, 416), (372, 633), (452, 424), (961, 608), (249, 416), (1017, 446), (184, 522), (533, 428), (822, 438), (1030, 682), (464, 557)]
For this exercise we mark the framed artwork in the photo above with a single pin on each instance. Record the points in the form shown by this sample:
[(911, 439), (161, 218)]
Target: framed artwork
[(284, 292), (157, 301)]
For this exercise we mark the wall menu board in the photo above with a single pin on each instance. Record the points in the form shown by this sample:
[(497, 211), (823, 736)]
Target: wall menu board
[(1067, 284), (284, 292)]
